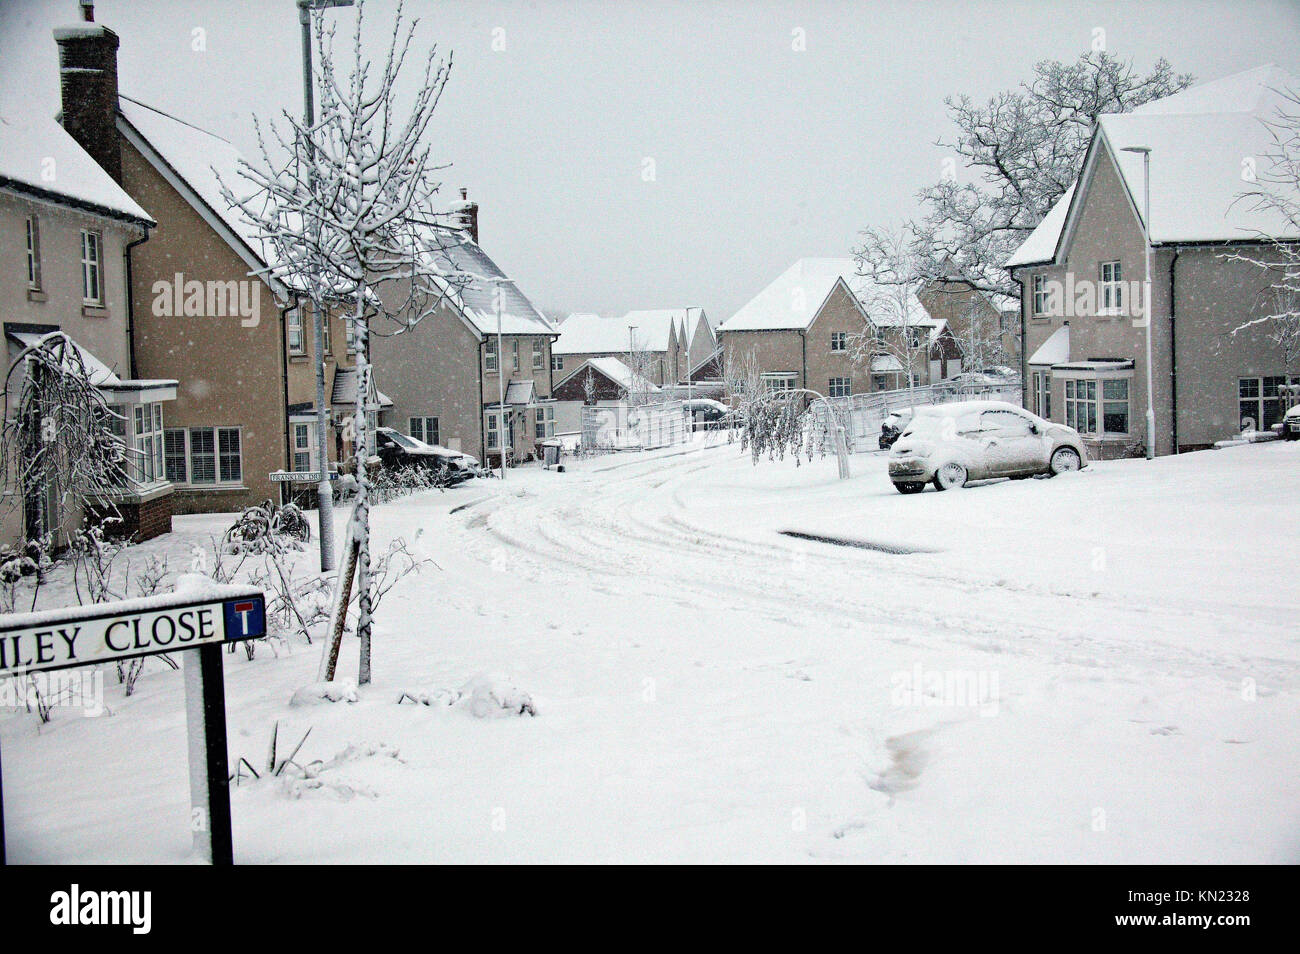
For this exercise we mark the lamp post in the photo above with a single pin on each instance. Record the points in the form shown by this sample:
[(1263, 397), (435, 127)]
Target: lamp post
[(1145, 152), (324, 489), (497, 294)]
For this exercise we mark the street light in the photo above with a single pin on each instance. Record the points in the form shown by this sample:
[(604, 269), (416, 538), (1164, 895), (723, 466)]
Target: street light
[(324, 489), (1145, 153)]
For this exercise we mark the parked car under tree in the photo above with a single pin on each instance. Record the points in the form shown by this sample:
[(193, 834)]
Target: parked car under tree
[(950, 444)]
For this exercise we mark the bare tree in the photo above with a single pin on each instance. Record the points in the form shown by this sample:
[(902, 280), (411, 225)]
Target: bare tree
[(60, 437), (1023, 149), (1276, 196), (890, 272), (348, 206)]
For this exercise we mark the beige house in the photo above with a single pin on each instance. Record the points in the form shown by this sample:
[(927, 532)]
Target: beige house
[(820, 326), (203, 309), (1215, 369), (653, 342), (984, 326), (65, 230), (446, 376)]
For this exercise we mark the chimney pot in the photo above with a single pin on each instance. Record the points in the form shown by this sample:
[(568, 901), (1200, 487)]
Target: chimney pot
[(88, 10)]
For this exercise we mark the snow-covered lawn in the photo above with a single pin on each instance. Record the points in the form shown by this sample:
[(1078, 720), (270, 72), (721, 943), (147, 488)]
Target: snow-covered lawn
[(1108, 670)]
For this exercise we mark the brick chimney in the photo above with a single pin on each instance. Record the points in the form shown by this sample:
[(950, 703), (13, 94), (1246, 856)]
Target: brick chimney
[(465, 214), (88, 83)]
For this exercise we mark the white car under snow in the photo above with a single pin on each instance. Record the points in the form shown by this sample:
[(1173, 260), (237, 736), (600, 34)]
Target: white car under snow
[(949, 444)]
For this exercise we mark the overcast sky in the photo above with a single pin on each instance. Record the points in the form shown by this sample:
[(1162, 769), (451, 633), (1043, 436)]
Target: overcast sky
[(761, 153)]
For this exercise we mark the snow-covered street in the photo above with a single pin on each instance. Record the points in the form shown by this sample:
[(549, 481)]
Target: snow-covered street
[(1102, 667)]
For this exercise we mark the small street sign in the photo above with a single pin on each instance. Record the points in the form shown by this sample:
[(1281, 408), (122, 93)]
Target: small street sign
[(297, 476), (200, 615)]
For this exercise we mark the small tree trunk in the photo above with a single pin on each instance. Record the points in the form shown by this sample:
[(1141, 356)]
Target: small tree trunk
[(361, 514)]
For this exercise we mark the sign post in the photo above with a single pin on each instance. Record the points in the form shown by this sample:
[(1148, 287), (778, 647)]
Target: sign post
[(200, 615)]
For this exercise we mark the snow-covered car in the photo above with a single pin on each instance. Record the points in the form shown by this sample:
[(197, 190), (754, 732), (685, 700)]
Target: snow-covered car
[(1291, 424), (949, 444), (705, 413), (894, 425), (397, 450)]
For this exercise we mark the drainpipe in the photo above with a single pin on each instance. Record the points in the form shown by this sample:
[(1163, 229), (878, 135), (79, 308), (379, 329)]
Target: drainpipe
[(803, 340), (130, 301), (1173, 348), (1024, 354), (478, 402)]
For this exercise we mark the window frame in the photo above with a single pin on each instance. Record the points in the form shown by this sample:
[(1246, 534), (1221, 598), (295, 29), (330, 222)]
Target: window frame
[(92, 266), (1096, 403), (32, 244), (557, 362), (539, 355), (491, 357), (1038, 289), (293, 324), (839, 386), (1261, 399), (780, 381), (215, 456), (424, 421), (839, 341), (1108, 288)]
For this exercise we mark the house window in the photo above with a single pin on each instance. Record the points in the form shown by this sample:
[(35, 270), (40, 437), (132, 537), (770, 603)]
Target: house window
[(92, 288), (493, 430), (302, 447), (914, 337), (779, 382), (174, 455), (33, 253), (1112, 289), (350, 330), (1114, 405), (538, 357), (294, 320), (1081, 405), (491, 359), (1043, 394), (424, 429), (325, 333), (1257, 401), (545, 422), (839, 387), (514, 348), (557, 362), (212, 455), (148, 446), (1041, 299), (879, 382), (839, 340)]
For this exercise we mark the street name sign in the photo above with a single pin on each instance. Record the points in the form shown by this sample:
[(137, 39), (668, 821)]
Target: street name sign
[(200, 615)]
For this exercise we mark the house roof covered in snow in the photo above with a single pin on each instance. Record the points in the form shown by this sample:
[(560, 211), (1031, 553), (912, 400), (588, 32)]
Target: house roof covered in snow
[(38, 156), (473, 288), (585, 333), (792, 301), (617, 372), (1055, 350), (343, 393), (1198, 139), (201, 162)]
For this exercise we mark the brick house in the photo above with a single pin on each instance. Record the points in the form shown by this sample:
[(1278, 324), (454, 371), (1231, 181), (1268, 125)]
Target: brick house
[(820, 326), (1214, 372), (652, 340)]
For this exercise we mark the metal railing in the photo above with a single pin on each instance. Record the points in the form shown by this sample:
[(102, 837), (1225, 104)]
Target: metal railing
[(633, 426)]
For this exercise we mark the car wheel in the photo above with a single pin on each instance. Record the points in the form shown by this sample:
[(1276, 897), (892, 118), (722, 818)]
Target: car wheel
[(1064, 459), (910, 487), (950, 476)]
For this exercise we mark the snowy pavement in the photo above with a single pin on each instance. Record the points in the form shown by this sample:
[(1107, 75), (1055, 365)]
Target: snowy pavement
[(1106, 669)]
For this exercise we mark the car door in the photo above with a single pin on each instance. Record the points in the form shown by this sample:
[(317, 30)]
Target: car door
[(1011, 444)]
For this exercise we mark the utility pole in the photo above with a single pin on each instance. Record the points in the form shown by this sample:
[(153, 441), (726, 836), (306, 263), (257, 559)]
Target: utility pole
[(497, 294), (324, 489)]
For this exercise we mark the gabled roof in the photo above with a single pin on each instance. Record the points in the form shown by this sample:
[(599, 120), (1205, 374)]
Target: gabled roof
[(794, 299), (585, 333), (1199, 139), (473, 291), (38, 156), (616, 372), (195, 162)]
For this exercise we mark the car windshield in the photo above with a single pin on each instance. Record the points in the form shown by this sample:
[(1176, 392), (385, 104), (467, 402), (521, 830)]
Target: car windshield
[(401, 440)]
